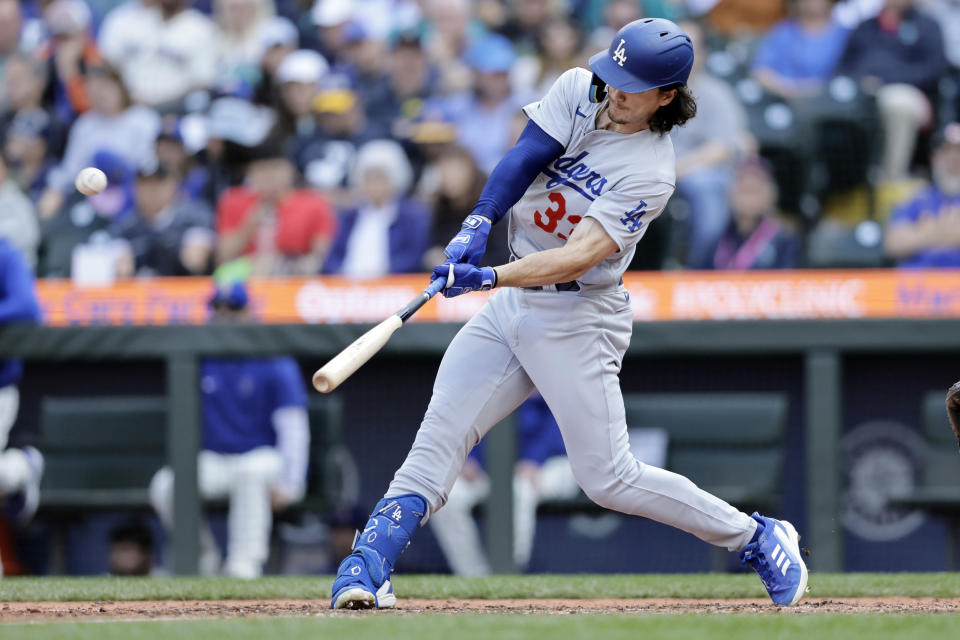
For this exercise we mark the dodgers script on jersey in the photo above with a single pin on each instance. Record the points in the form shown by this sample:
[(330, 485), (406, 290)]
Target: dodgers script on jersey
[(623, 181)]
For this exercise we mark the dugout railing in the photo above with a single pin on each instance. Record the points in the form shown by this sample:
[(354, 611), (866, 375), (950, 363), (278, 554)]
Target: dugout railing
[(822, 345)]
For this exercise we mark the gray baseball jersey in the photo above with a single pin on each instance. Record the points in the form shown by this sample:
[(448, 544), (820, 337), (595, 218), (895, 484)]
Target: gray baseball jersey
[(622, 181), (569, 345)]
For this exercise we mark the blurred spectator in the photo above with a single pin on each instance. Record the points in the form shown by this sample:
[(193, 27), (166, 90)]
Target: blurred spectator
[(797, 56), (745, 18), (18, 220), (112, 123), (387, 232), (413, 79), (326, 158), (850, 13), (755, 239), (899, 57), (452, 184), (298, 78), (256, 439), (525, 22), (167, 236), (282, 230), (925, 230), (947, 13), (193, 178), (23, 88), (162, 48), (332, 18), (234, 129), (708, 149), (279, 38), (447, 41), (558, 48), (10, 24), (27, 150), (131, 550), (240, 46), (616, 15), (69, 52), (78, 240), (370, 65), (20, 468), (483, 117)]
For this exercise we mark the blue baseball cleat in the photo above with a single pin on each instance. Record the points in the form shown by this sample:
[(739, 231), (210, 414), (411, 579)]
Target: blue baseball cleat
[(354, 588), (363, 579), (774, 553)]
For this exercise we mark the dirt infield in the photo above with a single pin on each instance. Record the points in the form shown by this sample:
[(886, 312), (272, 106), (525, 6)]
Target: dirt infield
[(195, 609)]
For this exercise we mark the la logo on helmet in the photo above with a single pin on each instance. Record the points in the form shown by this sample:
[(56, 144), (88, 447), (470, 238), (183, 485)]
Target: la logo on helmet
[(620, 54)]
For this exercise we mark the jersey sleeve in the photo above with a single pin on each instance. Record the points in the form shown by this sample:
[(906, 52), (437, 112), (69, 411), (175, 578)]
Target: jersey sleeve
[(556, 112), (290, 389), (625, 213)]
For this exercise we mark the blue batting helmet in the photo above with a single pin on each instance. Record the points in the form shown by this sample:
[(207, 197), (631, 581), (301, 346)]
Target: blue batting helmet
[(644, 55)]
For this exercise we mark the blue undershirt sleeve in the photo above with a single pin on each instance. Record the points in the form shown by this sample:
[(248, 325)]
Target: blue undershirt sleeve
[(519, 167)]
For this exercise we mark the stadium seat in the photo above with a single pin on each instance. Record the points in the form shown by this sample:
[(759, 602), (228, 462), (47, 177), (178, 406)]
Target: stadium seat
[(938, 489)]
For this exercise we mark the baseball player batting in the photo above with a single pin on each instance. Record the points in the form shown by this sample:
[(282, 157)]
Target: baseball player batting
[(591, 170)]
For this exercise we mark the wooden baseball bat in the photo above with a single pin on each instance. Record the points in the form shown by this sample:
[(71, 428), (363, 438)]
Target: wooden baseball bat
[(343, 365)]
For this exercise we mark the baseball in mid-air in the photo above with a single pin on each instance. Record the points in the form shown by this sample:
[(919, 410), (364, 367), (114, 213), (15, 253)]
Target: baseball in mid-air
[(90, 181)]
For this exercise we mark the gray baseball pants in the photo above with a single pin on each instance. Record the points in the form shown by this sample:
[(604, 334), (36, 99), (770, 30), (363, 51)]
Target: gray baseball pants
[(569, 345)]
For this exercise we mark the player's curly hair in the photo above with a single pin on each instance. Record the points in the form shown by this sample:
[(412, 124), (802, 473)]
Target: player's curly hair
[(681, 108)]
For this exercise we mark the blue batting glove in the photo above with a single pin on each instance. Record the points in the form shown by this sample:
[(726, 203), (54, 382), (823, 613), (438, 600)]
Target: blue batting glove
[(464, 278), (469, 245)]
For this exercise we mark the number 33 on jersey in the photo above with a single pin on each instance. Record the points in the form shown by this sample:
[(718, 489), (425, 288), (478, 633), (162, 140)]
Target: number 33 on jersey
[(622, 181)]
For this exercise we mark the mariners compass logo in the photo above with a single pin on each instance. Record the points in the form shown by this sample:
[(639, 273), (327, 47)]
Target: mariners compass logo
[(620, 54)]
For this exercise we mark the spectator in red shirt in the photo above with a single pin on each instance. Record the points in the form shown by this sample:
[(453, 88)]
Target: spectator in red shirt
[(282, 230)]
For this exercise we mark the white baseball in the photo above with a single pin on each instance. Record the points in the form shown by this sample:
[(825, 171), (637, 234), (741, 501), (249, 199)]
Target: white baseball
[(90, 181)]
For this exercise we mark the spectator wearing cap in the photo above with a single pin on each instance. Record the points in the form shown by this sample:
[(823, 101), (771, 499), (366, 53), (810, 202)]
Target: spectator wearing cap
[(368, 71), (755, 238), (924, 231), (332, 19), (796, 57), (256, 439), (413, 77), (280, 229), (240, 38), (708, 149), (526, 21), (163, 49), (326, 158), (298, 78), (78, 239), (18, 219), (167, 236), (279, 38), (68, 52), (387, 232), (27, 150), (483, 117), (899, 57), (112, 123)]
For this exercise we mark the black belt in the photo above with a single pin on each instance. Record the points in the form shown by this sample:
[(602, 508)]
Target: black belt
[(573, 285)]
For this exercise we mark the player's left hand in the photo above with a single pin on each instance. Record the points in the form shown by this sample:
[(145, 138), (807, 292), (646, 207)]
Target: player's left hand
[(464, 278), (469, 245)]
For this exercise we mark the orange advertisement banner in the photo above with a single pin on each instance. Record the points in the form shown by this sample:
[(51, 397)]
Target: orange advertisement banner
[(655, 296)]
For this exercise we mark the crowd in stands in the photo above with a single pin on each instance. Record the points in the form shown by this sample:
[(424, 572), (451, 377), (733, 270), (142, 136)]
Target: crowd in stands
[(299, 137)]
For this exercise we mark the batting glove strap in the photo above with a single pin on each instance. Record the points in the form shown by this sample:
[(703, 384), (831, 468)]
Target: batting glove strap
[(464, 278), (469, 245)]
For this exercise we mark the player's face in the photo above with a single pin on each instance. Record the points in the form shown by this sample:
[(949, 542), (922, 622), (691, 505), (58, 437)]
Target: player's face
[(632, 111)]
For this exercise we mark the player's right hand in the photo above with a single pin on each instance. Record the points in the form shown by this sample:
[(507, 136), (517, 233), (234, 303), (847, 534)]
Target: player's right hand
[(469, 245)]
